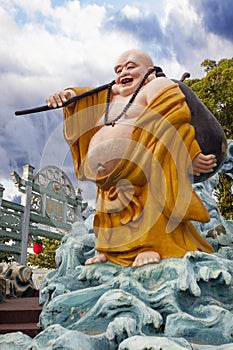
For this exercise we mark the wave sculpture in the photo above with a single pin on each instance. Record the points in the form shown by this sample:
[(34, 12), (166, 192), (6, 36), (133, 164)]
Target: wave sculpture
[(177, 304)]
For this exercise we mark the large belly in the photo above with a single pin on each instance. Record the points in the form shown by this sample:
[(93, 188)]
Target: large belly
[(107, 148)]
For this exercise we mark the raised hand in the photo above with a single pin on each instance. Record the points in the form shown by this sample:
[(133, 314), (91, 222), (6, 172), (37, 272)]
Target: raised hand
[(57, 99)]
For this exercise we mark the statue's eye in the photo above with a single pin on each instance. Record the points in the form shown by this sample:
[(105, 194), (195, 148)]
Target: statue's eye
[(129, 67)]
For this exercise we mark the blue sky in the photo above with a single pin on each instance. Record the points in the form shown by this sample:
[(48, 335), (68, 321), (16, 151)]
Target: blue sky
[(47, 45)]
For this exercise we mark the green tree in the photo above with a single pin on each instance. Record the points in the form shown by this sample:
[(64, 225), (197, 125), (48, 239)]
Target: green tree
[(46, 259), (224, 196), (216, 91)]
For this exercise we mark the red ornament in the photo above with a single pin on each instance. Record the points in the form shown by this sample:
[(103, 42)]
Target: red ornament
[(37, 248)]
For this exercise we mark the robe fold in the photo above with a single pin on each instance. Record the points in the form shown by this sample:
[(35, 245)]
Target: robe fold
[(147, 201)]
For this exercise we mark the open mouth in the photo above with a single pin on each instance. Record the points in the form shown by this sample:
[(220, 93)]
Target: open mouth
[(126, 81)]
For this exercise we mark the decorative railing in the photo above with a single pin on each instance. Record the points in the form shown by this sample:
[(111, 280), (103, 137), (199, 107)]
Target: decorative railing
[(49, 206)]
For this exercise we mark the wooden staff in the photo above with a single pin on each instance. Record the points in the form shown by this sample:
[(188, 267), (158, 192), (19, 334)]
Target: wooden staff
[(209, 132), (71, 100), (158, 71)]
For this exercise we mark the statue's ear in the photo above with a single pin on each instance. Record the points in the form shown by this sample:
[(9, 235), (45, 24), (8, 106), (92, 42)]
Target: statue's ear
[(151, 72)]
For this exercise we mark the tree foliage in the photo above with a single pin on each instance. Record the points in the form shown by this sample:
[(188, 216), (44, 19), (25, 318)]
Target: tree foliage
[(216, 91), (46, 259), (225, 197), (6, 257)]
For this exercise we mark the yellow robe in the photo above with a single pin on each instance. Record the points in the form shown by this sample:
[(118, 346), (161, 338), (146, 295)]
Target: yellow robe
[(147, 201)]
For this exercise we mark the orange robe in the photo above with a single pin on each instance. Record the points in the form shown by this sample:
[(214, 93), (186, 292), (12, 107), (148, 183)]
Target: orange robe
[(147, 201)]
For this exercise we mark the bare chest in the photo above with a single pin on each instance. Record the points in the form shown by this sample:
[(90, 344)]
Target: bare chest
[(109, 144)]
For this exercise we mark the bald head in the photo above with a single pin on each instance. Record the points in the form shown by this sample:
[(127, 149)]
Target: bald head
[(135, 55)]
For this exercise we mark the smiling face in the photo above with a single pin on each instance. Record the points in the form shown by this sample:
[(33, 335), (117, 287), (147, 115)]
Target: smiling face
[(130, 69)]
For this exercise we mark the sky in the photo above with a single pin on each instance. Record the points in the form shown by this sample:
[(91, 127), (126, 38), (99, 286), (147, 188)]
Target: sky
[(49, 45)]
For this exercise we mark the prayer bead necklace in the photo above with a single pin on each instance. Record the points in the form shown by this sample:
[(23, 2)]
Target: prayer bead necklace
[(127, 106)]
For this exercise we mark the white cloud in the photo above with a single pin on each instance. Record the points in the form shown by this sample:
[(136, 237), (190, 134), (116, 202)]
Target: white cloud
[(77, 22), (44, 48), (34, 7), (8, 24), (11, 190), (189, 41), (131, 12), (64, 46), (68, 54)]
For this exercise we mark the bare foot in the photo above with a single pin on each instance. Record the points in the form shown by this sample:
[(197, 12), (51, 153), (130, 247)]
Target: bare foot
[(145, 258), (100, 258)]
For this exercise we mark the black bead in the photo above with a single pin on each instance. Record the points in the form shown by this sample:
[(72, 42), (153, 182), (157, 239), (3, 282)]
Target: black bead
[(125, 109)]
